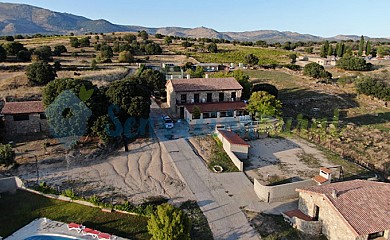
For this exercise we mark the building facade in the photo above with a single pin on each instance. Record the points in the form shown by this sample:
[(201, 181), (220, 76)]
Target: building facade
[(24, 117)]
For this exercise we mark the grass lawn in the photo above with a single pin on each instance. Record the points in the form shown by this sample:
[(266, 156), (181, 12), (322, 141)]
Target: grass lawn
[(236, 54), (220, 157), (23, 207)]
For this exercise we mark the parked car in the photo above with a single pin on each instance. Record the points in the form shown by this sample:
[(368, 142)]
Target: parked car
[(168, 122)]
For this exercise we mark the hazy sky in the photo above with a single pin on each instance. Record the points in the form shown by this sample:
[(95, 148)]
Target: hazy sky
[(323, 18)]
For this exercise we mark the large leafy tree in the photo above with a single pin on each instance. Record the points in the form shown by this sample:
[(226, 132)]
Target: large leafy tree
[(251, 59), (3, 53), (153, 79), (152, 49), (212, 48), (353, 64), (264, 104), (13, 48), (106, 52), (43, 53), (169, 222), (7, 155), (126, 57), (40, 73)]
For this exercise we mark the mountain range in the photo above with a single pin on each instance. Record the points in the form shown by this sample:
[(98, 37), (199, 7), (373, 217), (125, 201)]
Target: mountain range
[(27, 19)]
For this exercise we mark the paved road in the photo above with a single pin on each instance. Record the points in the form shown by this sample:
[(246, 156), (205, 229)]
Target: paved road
[(222, 211)]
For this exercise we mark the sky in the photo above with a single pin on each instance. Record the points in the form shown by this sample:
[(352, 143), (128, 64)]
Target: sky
[(321, 18)]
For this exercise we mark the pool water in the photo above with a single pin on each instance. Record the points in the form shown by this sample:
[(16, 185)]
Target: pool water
[(48, 237)]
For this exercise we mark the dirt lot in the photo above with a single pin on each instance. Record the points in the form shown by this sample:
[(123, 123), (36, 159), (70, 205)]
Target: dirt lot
[(275, 159), (142, 172)]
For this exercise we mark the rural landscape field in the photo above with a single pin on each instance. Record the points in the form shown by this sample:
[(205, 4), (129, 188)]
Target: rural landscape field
[(190, 133)]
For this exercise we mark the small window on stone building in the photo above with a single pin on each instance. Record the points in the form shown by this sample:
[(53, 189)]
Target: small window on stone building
[(376, 235), (42, 116), (21, 117)]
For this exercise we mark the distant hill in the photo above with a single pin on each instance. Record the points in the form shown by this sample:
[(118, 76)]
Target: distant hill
[(26, 19)]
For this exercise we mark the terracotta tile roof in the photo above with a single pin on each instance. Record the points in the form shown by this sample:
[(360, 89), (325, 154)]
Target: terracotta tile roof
[(326, 170), (297, 213), (319, 179), (233, 138), (217, 106), (23, 107), (205, 84), (365, 205)]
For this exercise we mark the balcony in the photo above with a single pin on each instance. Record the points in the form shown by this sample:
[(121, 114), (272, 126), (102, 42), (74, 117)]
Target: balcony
[(203, 100)]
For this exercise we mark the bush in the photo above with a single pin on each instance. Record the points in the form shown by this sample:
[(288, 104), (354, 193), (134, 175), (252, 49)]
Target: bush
[(125, 57), (23, 56), (293, 67), (169, 222), (7, 155), (315, 70), (40, 73), (374, 87), (353, 64)]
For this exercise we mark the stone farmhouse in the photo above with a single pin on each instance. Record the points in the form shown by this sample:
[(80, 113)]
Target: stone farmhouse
[(351, 210), (217, 99), (24, 117)]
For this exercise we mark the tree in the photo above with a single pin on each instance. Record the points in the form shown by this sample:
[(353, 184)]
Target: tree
[(84, 42), (9, 38), (293, 57), (143, 34), (126, 57), (330, 50), (186, 44), (153, 49), (129, 37), (167, 40), (251, 59), (100, 128), (7, 155), (168, 222), (158, 36), (353, 64), (323, 51), (74, 42), (265, 87), (106, 52), (43, 53), (315, 70), (23, 56), (309, 50), (196, 112), (154, 79), (13, 48), (368, 48), (341, 50), (3, 54), (198, 73), (212, 48), (94, 64), (243, 80), (264, 104), (361, 46), (383, 51), (40, 73), (59, 49)]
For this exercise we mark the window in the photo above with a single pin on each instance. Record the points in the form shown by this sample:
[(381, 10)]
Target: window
[(213, 114), (233, 96), (222, 114), (229, 113), (42, 116), (221, 97), (240, 113), (206, 115), (376, 235), (210, 115), (316, 212), (196, 97), (209, 97), (183, 98), (21, 117)]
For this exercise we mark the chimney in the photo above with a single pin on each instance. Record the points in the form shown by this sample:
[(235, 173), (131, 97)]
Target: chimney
[(188, 76), (334, 193), (207, 75)]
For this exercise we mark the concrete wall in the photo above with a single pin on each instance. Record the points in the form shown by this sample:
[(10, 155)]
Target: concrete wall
[(333, 226), (33, 125), (241, 151), (10, 184), (280, 192), (171, 96), (226, 146)]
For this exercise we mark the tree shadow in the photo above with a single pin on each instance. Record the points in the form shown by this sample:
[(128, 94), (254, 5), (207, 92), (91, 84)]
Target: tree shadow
[(368, 119)]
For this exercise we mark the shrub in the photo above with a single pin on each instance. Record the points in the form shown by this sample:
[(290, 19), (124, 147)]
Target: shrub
[(353, 64), (169, 222), (7, 155), (315, 70)]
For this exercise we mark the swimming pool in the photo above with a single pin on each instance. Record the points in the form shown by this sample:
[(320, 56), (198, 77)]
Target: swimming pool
[(49, 237)]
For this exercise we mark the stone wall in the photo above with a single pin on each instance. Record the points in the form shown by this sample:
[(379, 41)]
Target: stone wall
[(34, 125), (281, 192), (334, 227), (10, 184)]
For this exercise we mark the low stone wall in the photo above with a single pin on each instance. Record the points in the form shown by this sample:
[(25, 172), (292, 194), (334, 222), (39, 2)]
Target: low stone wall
[(10, 184), (313, 228), (280, 192)]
